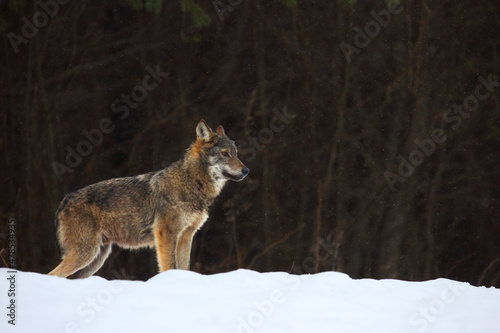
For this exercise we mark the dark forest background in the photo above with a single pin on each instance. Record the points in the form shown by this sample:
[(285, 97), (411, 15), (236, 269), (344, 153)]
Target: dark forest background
[(317, 197)]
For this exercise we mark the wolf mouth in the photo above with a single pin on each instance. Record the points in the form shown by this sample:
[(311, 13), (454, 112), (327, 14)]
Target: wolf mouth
[(232, 177)]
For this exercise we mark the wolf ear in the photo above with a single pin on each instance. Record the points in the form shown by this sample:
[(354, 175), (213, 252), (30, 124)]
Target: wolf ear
[(203, 131), (220, 130)]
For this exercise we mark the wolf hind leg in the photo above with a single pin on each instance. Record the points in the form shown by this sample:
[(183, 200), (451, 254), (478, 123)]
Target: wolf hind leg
[(79, 255), (95, 264), (73, 261)]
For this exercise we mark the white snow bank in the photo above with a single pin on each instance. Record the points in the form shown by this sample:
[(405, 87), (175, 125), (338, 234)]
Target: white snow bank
[(245, 301)]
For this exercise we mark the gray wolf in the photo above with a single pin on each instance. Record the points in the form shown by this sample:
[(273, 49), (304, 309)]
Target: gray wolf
[(162, 209)]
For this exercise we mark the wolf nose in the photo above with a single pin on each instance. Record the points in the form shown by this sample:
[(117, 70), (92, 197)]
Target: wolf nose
[(245, 171)]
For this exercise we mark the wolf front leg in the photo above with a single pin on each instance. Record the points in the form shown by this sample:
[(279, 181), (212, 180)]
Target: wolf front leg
[(183, 248), (165, 242)]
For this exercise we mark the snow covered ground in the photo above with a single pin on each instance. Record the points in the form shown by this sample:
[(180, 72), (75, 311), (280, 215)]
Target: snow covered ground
[(245, 301)]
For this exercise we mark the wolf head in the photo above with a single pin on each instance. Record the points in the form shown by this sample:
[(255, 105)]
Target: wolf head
[(219, 154)]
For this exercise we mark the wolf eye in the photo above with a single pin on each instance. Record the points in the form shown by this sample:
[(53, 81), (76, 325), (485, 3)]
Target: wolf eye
[(225, 153)]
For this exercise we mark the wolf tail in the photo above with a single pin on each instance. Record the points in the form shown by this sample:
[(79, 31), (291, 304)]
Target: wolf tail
[(56, 231), (57, 223)]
